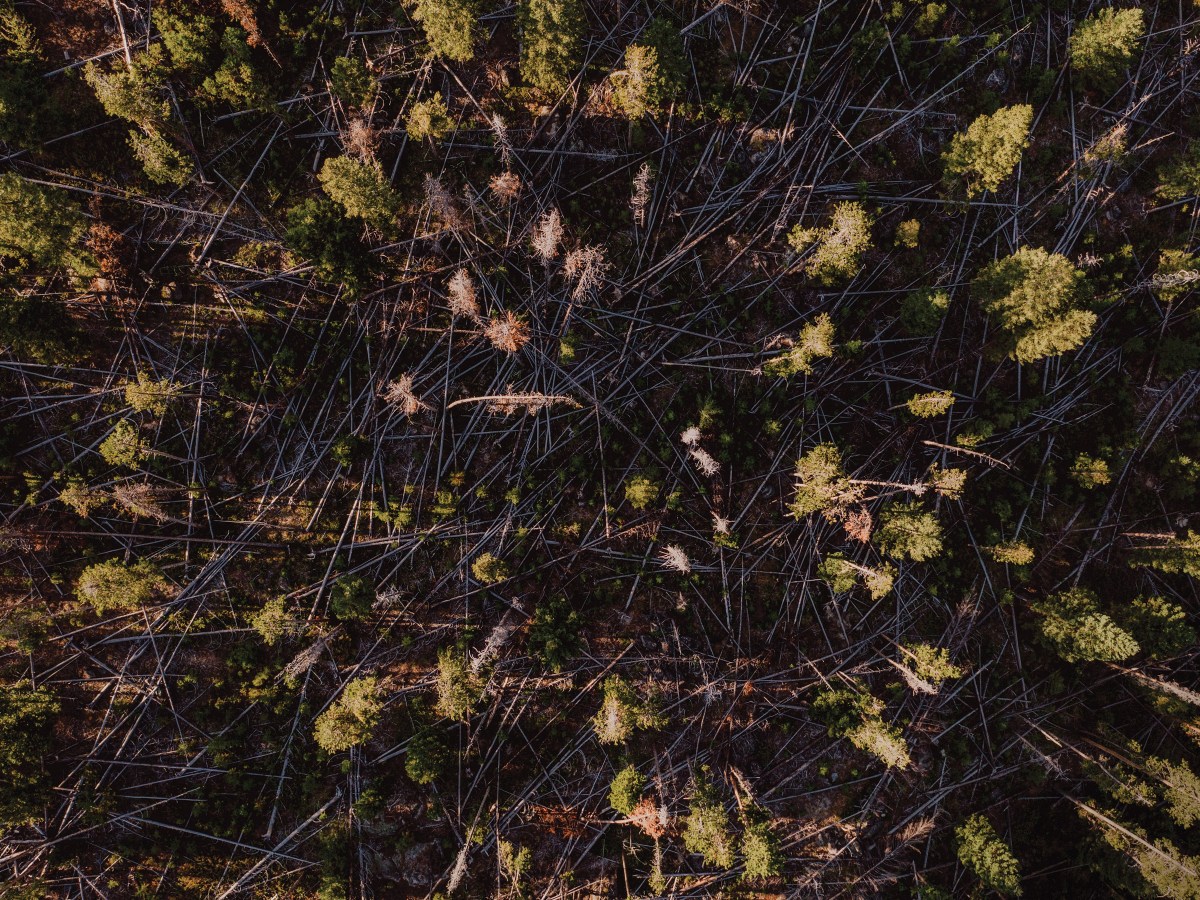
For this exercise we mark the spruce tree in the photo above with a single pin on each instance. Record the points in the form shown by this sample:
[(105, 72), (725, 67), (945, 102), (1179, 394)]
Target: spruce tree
[(982, 851), (1079, 632), (551, 35), (706, 828), (351, 719), (451, 27), (360, 188), (990, 149), (906, 531), (1036, 298), (41, 229), (1103, 46), (26, 729)]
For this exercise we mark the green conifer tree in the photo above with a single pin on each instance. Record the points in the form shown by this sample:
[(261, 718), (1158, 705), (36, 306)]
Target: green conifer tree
[(990, 149), (837, 248), (112, 585), (26, 730), (350, 720), (906, 531), (40, 228), (1159, 626), (1079, 632), (822, 485), (1036, 297), (451, 27), (982, 851), (626, 790), (551, 35), (360, 188), (1103, 45), (706, 829), (1176, 556), (814, 342)]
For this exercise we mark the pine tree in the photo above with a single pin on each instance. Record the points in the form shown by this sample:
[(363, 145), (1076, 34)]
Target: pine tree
[(990, 149), (361, 189), (1036, 297), (351, 719), (930, 404), (837, 248), (622, 712), (821, 484), (982, 851), (906, 531), (451, 27), (112, 585), (814, 342), (551, 34), (1079, 632), (1177, 556), (1103, 46)]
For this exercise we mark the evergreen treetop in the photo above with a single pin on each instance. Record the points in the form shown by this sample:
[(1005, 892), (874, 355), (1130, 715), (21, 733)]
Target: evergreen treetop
[(1037, 299)]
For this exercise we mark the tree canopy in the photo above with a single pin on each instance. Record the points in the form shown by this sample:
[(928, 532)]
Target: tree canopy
[(1037, 299)]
